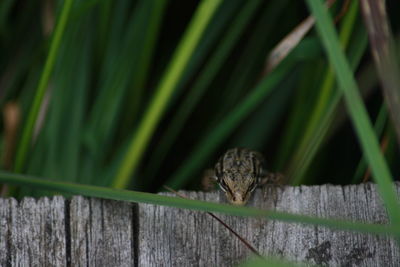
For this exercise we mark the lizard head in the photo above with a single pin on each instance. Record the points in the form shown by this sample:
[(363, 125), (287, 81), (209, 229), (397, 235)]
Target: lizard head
[(238, 173), (237, 187)]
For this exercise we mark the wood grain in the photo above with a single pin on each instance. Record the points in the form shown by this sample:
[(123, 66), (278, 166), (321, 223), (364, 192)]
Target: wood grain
[(195, 239), (101, 232), (95, 232), (33, 232)]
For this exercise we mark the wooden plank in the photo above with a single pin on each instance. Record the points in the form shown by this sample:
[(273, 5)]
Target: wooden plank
[(5, 218), (95, 232), (36, 232), (55, 232), (102, 232), (187, 238)]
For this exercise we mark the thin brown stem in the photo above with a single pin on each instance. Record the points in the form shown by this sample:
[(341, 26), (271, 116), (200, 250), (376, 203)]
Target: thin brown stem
[(244, 241), (287, 44), (384, 54)]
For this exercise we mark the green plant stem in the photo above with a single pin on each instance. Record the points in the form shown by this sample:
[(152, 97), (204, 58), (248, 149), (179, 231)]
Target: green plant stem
[(41, 90)]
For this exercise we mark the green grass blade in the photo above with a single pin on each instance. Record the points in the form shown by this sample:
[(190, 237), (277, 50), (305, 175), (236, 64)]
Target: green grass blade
[(257, 129), (269, 261), (305, 155), (300, 108), (164, 92), (41, 90), (222, 19), (125, 66), (357, 110), (332, 118), (142, 197), (146, 52), (379, 127), (69, 102)]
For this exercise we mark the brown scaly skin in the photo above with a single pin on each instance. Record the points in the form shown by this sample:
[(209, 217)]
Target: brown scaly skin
[(238, 172)]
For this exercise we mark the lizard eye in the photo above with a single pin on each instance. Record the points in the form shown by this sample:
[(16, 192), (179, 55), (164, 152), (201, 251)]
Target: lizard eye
[(253, 186), (223, 185)]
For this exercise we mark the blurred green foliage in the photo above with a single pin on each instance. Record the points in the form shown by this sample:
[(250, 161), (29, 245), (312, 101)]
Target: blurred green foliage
[(136, 94)]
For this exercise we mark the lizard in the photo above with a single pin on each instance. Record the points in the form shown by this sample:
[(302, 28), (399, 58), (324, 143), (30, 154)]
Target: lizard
[(239, 171)]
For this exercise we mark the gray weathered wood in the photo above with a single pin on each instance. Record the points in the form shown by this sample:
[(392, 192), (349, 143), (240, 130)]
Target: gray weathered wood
[(95, 232), (101, 232), (32, 232), (188, 238), (56, 232)]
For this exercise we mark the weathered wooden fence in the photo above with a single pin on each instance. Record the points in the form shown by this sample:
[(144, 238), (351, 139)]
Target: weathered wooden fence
[(95, 232)]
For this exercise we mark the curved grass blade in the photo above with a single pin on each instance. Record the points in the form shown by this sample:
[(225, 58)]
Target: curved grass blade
[(41, 89), (357, 110), (164, 92), (142, 197)]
